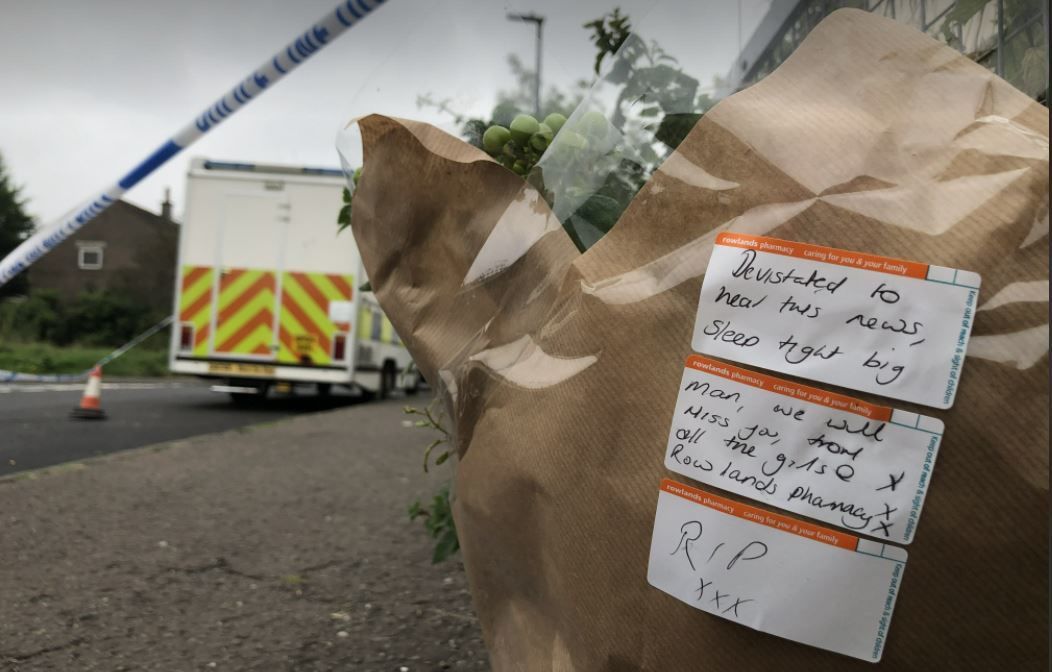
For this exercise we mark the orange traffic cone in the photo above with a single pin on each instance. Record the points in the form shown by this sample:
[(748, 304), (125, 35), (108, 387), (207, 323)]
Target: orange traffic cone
[(90, 408)]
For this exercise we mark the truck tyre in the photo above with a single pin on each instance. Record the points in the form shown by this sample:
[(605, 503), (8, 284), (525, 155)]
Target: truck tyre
[(388, 380), (243, 398)]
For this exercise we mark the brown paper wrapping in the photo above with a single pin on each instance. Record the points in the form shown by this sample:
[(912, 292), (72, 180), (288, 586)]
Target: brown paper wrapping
[(561, 368)]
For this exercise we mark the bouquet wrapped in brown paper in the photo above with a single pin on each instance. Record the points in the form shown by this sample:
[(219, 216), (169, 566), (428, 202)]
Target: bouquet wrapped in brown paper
[(561, 368)]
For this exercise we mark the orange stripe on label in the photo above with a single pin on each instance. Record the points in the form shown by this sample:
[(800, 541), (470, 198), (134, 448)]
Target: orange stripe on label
[(839, 402), (263, 317), (829, 255), (761, 516)]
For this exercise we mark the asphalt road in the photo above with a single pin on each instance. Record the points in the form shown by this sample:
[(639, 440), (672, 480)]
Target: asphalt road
[(283, 547), (36, 430)]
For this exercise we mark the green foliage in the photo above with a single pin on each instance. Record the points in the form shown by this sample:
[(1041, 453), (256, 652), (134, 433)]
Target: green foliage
[(42, 333), (438, 520), (37, 317), (344, 218), (593, 167), (98, 318), (510, 103), (148, 360), (590, 173), (609, 32), (438, 514), (520, 146), (105, 318), (431, 418), (596, 166), (674, 127), (15, 227), (653, 86)]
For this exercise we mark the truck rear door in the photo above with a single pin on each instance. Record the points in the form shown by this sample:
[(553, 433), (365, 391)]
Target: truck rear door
[(245, 313)]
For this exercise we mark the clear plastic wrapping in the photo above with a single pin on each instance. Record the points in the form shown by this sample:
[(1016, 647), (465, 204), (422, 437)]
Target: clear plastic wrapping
[(560, 368)]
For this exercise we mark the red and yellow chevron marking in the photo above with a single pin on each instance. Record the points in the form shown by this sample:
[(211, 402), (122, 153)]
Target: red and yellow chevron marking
[(245, 317), (306, 329), (195, 304)]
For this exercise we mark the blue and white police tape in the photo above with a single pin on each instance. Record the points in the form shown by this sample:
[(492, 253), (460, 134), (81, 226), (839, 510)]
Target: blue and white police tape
[(285, 61), (19, 377)]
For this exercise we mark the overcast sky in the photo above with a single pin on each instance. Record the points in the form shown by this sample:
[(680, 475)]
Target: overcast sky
[(91, 88)]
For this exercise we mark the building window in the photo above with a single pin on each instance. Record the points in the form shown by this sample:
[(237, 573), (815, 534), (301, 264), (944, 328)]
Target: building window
[(89, 256)]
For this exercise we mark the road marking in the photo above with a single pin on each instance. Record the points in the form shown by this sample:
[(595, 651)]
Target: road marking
[(66, 387)]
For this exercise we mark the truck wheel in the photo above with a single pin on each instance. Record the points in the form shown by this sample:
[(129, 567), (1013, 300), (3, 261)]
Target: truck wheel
[(388, 380), (243, 398)]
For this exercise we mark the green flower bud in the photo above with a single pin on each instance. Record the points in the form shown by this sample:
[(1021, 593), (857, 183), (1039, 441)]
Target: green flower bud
[(494, 138), (522, 127), (554, 121), (541, 138)]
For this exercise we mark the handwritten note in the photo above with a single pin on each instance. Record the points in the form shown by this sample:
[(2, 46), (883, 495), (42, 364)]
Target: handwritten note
[(841, 460), (773, 573), (887, 326)]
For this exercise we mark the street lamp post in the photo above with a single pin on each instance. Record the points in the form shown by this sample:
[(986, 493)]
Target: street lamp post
[(538, 21)]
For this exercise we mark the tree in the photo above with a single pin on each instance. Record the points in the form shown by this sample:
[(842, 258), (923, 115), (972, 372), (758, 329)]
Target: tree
[(15, 227)]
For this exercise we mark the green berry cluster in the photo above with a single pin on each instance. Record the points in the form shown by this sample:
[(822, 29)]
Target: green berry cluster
[(520, 146)]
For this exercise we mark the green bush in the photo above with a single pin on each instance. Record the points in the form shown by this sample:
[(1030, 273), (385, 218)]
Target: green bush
[(103, 318), (37, 317), (100, 318)]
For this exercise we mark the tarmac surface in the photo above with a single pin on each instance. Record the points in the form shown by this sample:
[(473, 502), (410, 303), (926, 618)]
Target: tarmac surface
[(36, 430), (283, 546)]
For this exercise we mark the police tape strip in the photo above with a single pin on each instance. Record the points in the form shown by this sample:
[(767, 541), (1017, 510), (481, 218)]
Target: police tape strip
[(19, 377), (285, 61)]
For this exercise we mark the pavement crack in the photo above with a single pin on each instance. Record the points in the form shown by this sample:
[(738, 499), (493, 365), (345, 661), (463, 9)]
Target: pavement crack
[(451, 614), (23, 657), (219, 564), (320, 566)]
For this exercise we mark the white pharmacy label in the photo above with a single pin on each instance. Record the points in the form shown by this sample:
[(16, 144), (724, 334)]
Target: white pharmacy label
[(773, 573), (890, 327), (841, 460)]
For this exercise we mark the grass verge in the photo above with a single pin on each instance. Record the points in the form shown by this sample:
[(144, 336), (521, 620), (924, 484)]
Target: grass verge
[(148, 360)]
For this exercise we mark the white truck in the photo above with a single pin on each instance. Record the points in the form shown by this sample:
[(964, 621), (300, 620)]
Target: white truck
[(267, 292)]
